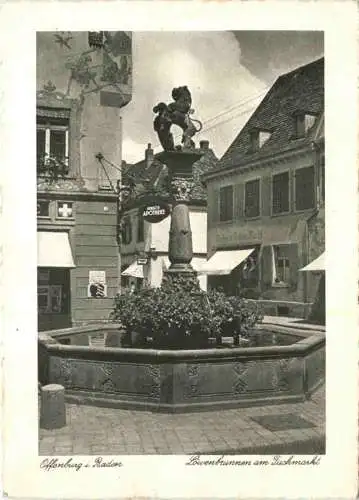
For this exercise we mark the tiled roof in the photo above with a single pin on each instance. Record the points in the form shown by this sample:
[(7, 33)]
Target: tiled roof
[(301, 90), (206, 163), (141, 175), (156, 175)]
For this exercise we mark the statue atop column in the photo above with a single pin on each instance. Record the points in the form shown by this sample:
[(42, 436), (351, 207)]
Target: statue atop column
[(176, 113)]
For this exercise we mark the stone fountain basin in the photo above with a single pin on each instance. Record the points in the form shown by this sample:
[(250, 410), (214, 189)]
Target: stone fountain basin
[(184, 380)]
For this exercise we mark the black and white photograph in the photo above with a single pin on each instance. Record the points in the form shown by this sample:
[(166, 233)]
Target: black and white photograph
[(181, 242), (180, 250)]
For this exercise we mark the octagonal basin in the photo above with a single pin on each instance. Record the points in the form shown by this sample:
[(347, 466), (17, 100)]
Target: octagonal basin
[(283, 364)]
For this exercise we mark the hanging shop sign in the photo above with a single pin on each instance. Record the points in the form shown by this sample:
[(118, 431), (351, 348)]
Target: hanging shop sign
[(155, 211)]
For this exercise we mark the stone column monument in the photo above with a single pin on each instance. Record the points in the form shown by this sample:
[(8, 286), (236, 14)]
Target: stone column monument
[(179, 161), (180, 251)]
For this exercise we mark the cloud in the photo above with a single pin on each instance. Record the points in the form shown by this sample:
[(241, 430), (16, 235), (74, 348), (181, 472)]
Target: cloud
[(209, 63), (132, 151)]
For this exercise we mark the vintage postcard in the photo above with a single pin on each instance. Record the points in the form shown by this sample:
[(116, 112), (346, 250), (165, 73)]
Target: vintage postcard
[(180, 252)]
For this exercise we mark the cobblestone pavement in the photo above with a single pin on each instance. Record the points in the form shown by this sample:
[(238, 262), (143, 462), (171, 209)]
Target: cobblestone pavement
[(107, 431)]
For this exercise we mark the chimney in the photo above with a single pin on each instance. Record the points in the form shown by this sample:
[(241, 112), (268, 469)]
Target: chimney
[(149, 155), (204, 145)]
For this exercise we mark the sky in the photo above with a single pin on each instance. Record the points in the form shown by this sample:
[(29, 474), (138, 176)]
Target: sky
[(228, 74)]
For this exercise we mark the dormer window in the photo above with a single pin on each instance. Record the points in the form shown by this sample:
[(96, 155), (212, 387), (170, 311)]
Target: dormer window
[(258, 138), (304, 122), (263, 137)]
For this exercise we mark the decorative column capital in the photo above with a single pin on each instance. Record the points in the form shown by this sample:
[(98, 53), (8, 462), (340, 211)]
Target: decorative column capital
[(181, 189)]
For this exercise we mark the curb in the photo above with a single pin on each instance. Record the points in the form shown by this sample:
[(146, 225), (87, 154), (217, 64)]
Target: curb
[(313, 446)]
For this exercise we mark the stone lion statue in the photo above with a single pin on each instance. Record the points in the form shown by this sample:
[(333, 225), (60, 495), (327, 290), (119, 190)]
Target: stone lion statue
[(176, 113)]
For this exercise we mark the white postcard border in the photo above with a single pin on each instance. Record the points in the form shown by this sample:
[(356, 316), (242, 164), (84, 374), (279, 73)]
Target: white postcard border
[(155, 476)]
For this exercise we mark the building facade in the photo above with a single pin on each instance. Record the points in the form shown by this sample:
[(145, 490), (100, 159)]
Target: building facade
[(83, 81), (266, 199), (144, 245)]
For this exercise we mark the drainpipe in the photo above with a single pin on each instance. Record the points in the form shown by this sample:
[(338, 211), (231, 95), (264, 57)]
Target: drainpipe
[(118, 233), (315, 147)]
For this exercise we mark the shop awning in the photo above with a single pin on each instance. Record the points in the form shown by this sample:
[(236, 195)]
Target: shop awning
[(316, 265), (53, 249), (224, 261), (135, 270)]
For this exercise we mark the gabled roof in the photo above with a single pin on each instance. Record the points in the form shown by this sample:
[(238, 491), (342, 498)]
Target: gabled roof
[(299, 91)]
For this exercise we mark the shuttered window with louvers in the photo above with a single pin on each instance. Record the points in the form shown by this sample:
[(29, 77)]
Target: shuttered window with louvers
[(266, 195), (280, 193), (213, 206), (238, 201), (252, 199), (226, 203)]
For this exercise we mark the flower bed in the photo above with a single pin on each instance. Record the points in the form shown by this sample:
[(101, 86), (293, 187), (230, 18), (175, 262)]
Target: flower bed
[(181, 316)]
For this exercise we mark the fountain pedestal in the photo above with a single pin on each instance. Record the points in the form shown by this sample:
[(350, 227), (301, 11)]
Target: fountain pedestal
[(180, 250)]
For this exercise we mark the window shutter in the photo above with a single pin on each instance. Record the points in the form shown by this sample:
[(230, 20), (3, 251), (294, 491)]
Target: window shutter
[(292, 251), (304, 193), (238, 201), (214, 206), (58, 144), (40, 142), (209, 204), (266, 266), (265, 194), (299, 125)]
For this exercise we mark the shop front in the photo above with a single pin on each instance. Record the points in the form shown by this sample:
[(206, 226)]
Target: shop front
[(235, 272), (132, 276), (55, 262)]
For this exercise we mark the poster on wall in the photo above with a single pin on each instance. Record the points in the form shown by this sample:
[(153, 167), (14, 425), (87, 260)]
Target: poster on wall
[(97, 287)]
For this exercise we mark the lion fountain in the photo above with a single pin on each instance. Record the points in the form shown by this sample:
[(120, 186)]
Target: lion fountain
[(176, 113)]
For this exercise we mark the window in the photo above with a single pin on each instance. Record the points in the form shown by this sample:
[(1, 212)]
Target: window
[(140, 229), (304, 123), (49, 299), (127, 231), (258, 138), (280, 193), (53, 291), (251, 199), (226, 203), (263, 138), (52, 143), (281, 265), (304, 188), (64, 210), (43, 208), (43, 276)]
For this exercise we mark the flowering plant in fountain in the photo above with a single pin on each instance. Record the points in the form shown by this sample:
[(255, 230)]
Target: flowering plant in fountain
[(181, 316), (233, 316)]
